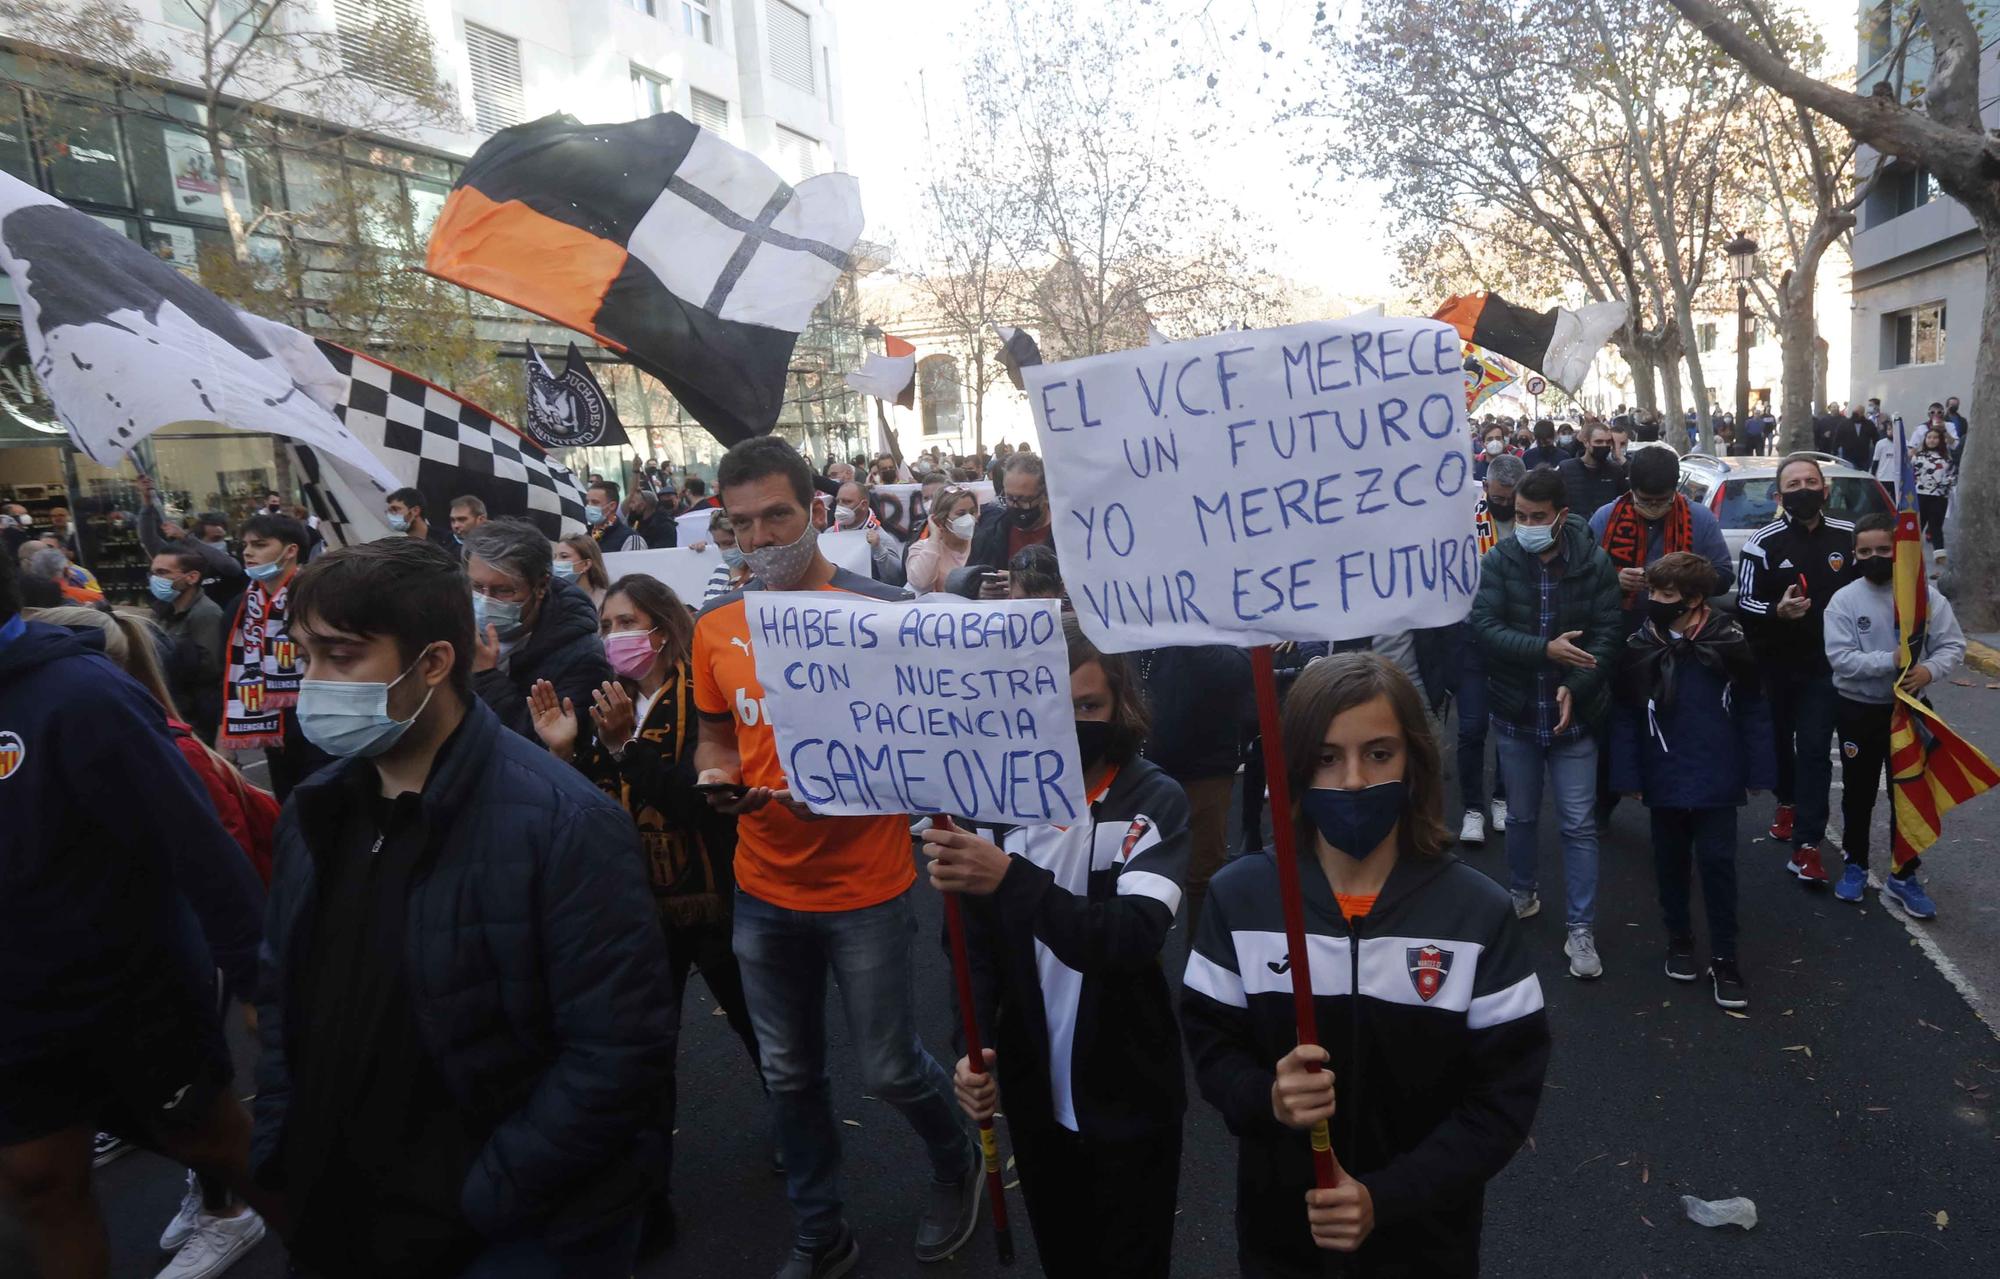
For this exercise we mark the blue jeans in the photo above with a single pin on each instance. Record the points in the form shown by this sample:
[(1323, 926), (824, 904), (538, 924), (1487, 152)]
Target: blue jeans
[(785, 956), (1802, 717), (1472, 713), (1572, 772)]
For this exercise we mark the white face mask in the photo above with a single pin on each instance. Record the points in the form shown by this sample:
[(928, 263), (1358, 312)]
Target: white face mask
[(962, 526), (845, 515)]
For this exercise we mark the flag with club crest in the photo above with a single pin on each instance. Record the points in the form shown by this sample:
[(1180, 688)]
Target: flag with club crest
[(1485, 377)]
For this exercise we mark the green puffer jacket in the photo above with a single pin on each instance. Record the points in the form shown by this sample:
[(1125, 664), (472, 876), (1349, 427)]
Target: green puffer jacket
[(1506, 613)]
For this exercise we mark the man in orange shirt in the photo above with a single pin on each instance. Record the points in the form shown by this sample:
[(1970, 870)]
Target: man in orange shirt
[(816, 895)]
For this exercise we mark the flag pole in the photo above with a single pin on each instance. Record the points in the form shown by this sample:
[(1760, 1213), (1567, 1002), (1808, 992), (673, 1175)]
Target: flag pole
[(989, 1146), (1285, 845)]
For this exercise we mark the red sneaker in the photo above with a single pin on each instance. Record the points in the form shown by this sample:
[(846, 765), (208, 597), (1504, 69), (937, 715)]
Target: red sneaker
[(1781, 825), (1805, 864)]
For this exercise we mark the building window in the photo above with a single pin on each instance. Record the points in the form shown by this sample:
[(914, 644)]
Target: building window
[(642, 6), (496, 77), (1878, 35), (1754, 332), (1915, 336), (386, 42), (790, 34), (229, 16), (80, 145), (938, 392), (709, 111), (650, 95), (698, 19), (1903, 188), (1704, 336), (799, 155)]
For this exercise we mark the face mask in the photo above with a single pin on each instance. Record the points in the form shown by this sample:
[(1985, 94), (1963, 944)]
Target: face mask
[(1535, 538), (399, 523), (592, 515), (1803, 504), (1093, 738), (565, 569), (163, 588), (1494, 448), (780, 568), (1600, 452), (844, 515), (1663, 613), (1652, 508), (1567, 436), (631, 652), (733, 557), (1356, 821), (1501, 511), (962, 526), (265, 572), (1024, 517), (348, 719), (1879, 569), (503, 615)]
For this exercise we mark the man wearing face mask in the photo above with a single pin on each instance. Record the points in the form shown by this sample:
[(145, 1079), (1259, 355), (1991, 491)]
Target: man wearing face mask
[(1493, 445), (1789, 570), (408, 513), (529, 624), (207, 535), (199, 631), (1017, 520), (653, 523), (1493, 523), (1596, 477), (260, 682), (1862, 650), (853, 512), (466, 1016), (610, 532), (816, 896)]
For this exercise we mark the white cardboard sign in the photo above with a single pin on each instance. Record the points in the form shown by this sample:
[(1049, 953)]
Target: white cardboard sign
[(685, 571), (940, 705), (1300, 483)]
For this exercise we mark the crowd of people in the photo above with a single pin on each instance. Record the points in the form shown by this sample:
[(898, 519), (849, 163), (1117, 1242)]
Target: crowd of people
[(515, 803)]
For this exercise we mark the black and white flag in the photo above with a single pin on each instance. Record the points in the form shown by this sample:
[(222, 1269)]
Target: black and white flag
[(569, 409)]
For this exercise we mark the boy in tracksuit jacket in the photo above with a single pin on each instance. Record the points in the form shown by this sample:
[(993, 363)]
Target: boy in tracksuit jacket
[(1690, 733), (1861, 649)]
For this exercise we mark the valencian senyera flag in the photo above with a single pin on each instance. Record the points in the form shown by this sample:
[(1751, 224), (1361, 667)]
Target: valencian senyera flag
[(662, 242), (1558, 343), (1932, 770), (1485, 377)]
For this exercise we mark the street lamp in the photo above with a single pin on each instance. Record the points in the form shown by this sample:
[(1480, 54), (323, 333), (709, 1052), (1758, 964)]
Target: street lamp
[(1742, 253)]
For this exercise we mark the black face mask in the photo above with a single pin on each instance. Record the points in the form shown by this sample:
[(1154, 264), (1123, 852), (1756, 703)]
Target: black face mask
[(1879, 569), (1093, 738), (1663, 613), (1501, 511), (1025, 516), (1600, 452), (1803, 504)]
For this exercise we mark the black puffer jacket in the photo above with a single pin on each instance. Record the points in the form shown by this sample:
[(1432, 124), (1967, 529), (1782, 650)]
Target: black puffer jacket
[(564, 649), (537, 973)]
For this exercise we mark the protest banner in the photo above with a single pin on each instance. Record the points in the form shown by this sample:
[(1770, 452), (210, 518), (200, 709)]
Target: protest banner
[(902, 506), (921, 707), (1300, 483), (685, 571)]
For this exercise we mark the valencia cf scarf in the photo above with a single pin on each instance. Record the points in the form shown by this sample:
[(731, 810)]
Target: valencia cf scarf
[(1624, 537), (263, 674)]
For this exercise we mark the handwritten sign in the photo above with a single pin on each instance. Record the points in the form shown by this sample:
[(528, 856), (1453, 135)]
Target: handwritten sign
[(1308, 482), (902, 506), (933, 706)]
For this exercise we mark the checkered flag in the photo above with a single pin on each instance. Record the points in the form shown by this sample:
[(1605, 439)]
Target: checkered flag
[(438, 443)]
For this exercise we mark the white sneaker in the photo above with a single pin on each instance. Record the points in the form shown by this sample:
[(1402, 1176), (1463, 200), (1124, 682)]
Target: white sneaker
[(1499, 815), (186, 1219), (1582, 951), (216, 1244), (1473, 829)]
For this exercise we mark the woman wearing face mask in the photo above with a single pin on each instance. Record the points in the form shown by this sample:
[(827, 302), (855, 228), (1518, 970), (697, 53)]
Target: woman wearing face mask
[(953, 516), (1064, 930), (643, 756), (853, 512), (528, 624), (578, 561), (1435, 1042)]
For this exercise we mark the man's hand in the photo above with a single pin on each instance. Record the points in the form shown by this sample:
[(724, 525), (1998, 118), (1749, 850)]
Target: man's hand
[(1632, 579), (978, 1094), (1300, 1095), (1562, 709), (554, 719), (993, 586), (697, 546), (1341, 1216), (1563, 651), (1794, 605), (964, 863), (734, 805), (487, 644), (795, 806), (874, 536), (1917, 678)]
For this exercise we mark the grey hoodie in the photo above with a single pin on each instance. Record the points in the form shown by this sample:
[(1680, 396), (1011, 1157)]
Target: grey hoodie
[(1861, 641)]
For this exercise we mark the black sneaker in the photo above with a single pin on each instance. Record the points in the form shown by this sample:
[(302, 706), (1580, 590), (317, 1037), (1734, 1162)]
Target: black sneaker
[(104, 1148), (1680, 959), (829, 1260), (1728, 984), (951, 1211)]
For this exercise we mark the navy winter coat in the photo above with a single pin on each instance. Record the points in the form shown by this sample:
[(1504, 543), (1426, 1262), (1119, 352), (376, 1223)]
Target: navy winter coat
[(1691, 729), (563, 648), (537, 973)]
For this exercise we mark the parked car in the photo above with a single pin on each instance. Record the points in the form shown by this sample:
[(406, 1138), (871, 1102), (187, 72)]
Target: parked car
[(1743, 492)]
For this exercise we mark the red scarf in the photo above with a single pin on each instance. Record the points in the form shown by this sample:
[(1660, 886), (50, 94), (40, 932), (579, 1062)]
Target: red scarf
[(1624, 537)]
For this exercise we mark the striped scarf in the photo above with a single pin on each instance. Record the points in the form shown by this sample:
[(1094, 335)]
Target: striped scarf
[(262, 678), (1624, 537)]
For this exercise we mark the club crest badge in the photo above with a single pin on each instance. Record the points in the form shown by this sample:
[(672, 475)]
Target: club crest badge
[(13, 753), (1836, 560), (1429, 966)]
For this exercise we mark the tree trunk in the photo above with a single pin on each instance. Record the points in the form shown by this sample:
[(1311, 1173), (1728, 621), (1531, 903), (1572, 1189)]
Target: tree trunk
[(1973, 577), (1796, 334), (1697, 384), (239, 235), (1674, 411), (1645, 392)]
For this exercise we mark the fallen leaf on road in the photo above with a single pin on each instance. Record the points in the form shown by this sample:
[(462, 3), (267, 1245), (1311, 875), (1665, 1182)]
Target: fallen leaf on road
[(1941, 1219), (1738, 1016), (1788, 1012), (1649, 1221), (1966, 683), (1799, 1048), (1645, 1174), (852, 1123)]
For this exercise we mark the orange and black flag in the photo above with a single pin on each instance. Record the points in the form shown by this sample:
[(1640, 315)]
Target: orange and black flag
[(1557, 343), (661, 241)]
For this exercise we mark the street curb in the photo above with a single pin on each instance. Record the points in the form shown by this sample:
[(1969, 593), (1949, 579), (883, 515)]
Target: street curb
[(1983, 658)]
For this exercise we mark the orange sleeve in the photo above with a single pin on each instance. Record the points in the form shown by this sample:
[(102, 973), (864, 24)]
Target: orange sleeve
[(709, 631)]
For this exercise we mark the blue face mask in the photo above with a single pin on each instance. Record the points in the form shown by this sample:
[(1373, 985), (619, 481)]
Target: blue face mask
[(163, 588), (592, 515), (1535, 538), (347, 719), (1356, 821), (265, 572), (505, 615), (399, 523), (566, 570)]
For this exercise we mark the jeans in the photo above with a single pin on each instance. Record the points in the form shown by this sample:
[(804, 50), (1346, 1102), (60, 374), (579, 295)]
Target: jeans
[(1472, 712), (1572, 772), (1802, 718), (1685, 839), (785, 956)]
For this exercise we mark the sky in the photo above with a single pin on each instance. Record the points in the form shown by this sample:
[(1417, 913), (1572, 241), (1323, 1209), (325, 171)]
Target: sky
[(895, 53)]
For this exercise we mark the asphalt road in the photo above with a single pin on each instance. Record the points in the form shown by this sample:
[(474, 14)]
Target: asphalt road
[(1854, 1103)]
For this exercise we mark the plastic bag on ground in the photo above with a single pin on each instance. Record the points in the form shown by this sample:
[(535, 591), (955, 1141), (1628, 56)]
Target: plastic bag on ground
[(1720, 1212)]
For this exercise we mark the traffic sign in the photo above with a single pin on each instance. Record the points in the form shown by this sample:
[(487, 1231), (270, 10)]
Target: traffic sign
[(1535, 385)]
